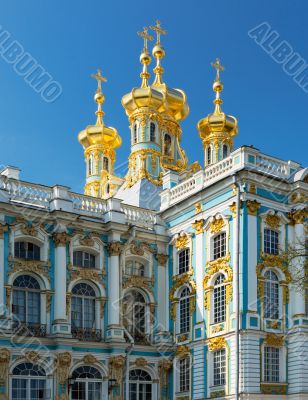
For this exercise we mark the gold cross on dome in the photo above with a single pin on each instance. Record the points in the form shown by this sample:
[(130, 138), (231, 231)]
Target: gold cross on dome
[(100, 78), (218, 68), (145, 36), (159, 30)]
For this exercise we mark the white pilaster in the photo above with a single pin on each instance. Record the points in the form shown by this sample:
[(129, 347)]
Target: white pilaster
[(199, 277), (2, 301), (252, 233), (162, 299)]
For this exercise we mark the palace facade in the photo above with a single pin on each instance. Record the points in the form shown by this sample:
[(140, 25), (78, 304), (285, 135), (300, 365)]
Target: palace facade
[(136, 288)]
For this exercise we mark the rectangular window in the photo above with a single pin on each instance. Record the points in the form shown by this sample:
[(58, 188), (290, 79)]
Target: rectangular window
[(184, 315), (219, 367), (184, 381), (183, 258), (219, 248), (271, 364), (271, 241)]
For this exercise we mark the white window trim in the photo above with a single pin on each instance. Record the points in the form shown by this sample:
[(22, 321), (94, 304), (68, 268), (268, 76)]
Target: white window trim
[(176, 378), (211, 387), (282, 364)]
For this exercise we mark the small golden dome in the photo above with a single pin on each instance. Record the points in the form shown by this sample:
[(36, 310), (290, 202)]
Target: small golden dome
[(158, 51)]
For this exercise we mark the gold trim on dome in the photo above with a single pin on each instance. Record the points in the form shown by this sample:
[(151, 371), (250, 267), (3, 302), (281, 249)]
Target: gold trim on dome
[(273, 221), (217, 224), (198, 226), (217, 343), (253, 207)]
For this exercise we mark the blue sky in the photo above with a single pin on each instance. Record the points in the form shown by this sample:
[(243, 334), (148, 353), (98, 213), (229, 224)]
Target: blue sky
[(71, 39)]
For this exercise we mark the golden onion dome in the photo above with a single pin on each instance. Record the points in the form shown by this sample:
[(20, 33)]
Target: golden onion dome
[(218, 123), (99, 134), (144, 96)]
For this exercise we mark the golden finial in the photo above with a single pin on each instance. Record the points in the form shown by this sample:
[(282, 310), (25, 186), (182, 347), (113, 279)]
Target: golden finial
[(217, 86), (158, 52), (99, 97), (145, 58)]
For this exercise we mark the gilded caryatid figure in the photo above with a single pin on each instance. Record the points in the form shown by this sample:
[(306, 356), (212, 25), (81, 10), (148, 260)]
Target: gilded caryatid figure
[(100, 142), (218, 129)]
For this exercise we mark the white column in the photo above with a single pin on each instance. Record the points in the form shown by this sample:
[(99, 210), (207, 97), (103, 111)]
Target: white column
[(114, 299), (162, 296), (252, 233), (60, 276), (2, 301), (199, 276)]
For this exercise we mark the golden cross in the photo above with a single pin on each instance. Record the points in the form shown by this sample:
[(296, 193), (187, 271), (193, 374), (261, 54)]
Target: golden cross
[(99, 77), (146, 36), (218, 68), (159, 30)]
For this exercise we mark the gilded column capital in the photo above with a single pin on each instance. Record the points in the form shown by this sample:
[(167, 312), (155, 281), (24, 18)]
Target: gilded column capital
[(3, 228), (298, 216), (252, 207), (162, 259), (116, 368), (164, 366), (198, 226), (115, 248), (63, 364), (61, 239), (5, 357)]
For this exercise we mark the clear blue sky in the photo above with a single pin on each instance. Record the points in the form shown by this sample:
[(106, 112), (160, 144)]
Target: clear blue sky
[(72, 38)]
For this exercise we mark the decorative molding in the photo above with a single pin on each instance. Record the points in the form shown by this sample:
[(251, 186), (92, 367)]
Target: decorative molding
[(252, 207), (5, 357), (217, 224), (141, 362), (162, 259), (217, 343), (61, 238), (198, 226), (298, 216), (232, 208), (114, 248), (63, 363), (273, 221), (68, 303), (180, 280), (182, 241), (3, 228), (102, 301), (89, 359), (212, 267), (274, 388), (198, 208), (138, 281), (252, 188), (298, 197), (91, 274), (29, 230), (164, 367), (23, 265), (8, 292), (182, 351), (274, 340), (116, 368), (86, 241), (32, 356)]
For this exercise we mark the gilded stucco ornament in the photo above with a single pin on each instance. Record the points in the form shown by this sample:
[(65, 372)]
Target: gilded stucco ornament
[(298, 197), (63, 363), (37, 267), (3, 228), (138, 281), (198, 208), (274, 389), (61, 238), (232, 208), (29, 230), (8, 292), (298, 216), (141, 362), (216, 225), (32, 356), (164, 367), (89, 359), (217, 343), (253, 207), (182, 241), (115, 248), (162, 259), (116, 368), (198, 226), (273, 221), (274, 340), (5, 357), (91, 274), (86, 241), (182, 351)]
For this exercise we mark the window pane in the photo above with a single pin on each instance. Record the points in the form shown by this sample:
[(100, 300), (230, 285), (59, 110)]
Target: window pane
[(183, 261), (33, 307), (19, 305), (271, 241), (219, 249), (219, 300), (271, 364), (19, 389), (79, 391), (271, 296), (184, 375), (184, 315), (219, 367), (77, 312)]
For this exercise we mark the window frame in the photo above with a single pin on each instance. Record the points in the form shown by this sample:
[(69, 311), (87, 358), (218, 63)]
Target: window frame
[(273, 315), (219, 289), (220, 253), (83, 310), (184, 375), (26, 291), (270, 242), (278, 351), (186, 261), (83, 253), (221, 380), (25, 243), (184, 323)]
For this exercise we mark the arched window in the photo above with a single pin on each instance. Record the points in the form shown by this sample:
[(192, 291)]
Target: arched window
[(184, 310), (152, 132), (88, 383), (134, 305), (183, 261), (83, 259), (167, 145), (26, 304), (106, 164), (219, 245), (271, 295), (140, 385), (219, 299), (135, 268), (27, 250), (224, 151), (209, 155), (271, 241), (29, 382), (135, 136), (184, 375), (83, 313)]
